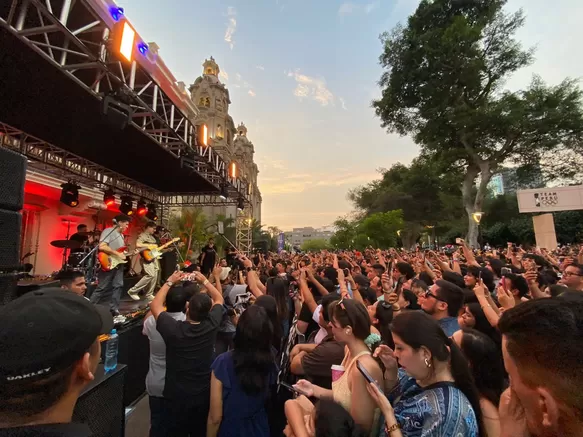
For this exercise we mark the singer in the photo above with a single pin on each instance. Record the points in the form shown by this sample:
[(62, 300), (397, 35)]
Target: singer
[(110, 283)]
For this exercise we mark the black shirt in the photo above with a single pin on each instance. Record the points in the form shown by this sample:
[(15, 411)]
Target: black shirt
[(52, 430), (80, 238), (210, 256), (189, 353)]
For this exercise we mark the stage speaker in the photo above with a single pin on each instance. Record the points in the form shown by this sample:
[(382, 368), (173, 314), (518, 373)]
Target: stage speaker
[(101, 405), (10, 222), (12, 175)]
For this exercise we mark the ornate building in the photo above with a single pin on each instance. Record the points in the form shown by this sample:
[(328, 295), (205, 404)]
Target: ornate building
[(212, 99)]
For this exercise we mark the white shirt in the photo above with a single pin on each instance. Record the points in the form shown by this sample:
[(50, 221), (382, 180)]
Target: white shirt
[(322, 332), (157, 373)]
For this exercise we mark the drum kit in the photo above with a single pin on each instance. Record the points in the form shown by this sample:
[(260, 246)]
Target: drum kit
[(81, 256)]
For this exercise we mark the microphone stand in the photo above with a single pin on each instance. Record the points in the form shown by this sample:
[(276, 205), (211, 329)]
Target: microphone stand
[(97, 246), (167, 235)]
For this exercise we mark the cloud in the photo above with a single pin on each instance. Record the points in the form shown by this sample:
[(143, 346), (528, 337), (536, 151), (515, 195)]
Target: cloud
[(347, 8), (260, 67), (312, 88), (251, 93), (343, 103), (231, 26), (224, 76)]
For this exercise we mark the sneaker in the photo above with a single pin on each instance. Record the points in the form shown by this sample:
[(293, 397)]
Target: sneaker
[(133, 295)]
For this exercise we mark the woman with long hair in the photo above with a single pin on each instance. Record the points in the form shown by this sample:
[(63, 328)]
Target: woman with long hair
[(433, 393), (241, 379), (279, 289), (350, 324), (474, 317), (270, 305), (487, 367)]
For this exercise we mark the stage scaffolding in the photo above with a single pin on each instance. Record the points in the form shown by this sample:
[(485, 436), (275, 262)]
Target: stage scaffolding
[(75, 37)]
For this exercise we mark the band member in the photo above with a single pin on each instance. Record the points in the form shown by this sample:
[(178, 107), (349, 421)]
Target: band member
[(80, 236), (208, 257), (110, 284), (146, 240)]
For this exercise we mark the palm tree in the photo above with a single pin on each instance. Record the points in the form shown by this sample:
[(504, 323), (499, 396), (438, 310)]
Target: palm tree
[(190, 225)]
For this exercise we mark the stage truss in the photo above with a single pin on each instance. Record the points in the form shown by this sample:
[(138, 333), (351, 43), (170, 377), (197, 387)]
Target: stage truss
[(244, 232), (161, 110), (49, 159)]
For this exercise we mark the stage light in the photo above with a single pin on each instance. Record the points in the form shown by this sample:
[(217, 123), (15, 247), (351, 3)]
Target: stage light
[(224, 193), (240, 204), (233, 170), (126, 45), (151, 214), (141, 208), (70, 194), (202, 135), (126, 206), (109, 197), (143, 48), (116, 113), (116, 13)]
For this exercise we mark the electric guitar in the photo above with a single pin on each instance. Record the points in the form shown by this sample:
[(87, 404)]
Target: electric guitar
[(150, 255), (109, 262)]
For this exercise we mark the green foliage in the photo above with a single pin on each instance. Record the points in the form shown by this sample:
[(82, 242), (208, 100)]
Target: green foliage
[(190, 225), (378, 230), (443, 79), (315, 245)]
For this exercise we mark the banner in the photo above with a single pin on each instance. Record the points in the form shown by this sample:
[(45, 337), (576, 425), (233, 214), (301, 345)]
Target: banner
[(280, 242)]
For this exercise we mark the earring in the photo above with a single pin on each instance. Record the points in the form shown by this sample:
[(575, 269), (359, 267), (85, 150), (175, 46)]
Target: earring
[(347, 332), (427, 362)]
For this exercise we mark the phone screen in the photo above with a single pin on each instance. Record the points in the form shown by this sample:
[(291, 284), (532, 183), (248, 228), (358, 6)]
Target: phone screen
[(293, 389), (365, 373)]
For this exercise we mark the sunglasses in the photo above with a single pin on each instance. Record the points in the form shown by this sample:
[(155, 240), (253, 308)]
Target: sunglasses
[(343, 308), (429, 294)]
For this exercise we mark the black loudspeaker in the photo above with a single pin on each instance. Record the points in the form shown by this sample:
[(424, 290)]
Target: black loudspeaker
[(12, 175), (10, 222), (101, 407)]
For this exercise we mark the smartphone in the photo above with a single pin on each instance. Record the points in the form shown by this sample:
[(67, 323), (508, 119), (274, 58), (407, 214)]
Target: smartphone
[(365, 373), (293, 389), (505, 271)]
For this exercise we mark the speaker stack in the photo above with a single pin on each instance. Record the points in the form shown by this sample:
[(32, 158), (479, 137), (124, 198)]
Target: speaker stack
[(12, 176)]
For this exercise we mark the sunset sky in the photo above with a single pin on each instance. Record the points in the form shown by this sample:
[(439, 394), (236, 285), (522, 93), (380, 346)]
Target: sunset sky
[(302, 74)]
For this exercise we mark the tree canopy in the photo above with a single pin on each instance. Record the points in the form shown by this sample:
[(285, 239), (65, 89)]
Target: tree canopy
[(443, 85)]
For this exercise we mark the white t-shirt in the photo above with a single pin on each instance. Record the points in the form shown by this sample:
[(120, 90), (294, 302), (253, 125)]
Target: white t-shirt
[(322, 332), (157, 372)]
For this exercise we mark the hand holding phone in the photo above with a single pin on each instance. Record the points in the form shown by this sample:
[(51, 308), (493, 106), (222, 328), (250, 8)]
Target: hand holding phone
[(366, 375), (295, 390)]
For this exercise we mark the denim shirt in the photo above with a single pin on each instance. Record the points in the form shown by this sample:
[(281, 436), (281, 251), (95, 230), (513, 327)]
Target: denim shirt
[(449, 325)]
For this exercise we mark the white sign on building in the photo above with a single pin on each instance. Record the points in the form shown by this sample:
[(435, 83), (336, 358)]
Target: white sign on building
[(550, 199)]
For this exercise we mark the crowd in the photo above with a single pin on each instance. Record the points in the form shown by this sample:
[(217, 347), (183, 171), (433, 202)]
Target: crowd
[(377, 343)]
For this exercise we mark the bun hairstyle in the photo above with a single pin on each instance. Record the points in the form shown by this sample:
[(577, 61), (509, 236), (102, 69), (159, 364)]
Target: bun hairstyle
[(418, 329)]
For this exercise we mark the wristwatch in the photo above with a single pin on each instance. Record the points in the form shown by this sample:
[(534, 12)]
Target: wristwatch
[(169, 283)]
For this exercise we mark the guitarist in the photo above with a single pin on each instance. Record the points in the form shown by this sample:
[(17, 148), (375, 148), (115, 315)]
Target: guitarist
[(146, 240), (110, 284)]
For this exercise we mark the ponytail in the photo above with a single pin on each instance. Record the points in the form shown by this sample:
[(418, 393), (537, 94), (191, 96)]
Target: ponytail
[(464, 380)]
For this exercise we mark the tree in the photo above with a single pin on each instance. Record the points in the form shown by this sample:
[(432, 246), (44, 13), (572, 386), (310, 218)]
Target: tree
[(191, 226), (315, 245), (345, 233), (442, 84), (381, 228)]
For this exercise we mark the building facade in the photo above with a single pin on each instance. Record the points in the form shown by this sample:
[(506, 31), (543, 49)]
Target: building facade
[(300, 235), (230, 142)]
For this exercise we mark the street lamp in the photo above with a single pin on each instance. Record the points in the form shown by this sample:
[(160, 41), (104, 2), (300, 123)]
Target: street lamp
[(432, 242), (477, 217)]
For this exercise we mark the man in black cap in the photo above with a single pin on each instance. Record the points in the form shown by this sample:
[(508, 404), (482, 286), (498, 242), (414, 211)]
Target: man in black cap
[(49, 351)]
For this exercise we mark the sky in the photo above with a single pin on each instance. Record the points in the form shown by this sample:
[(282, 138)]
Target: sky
[(302, 75)]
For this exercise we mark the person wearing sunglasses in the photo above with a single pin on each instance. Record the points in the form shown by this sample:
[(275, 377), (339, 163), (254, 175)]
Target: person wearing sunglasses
[(573, 277), (443, 302)]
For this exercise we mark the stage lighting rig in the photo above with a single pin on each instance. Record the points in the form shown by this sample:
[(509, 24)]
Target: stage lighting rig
[(70, 194), (151, 214), (126, 206), (141, 208), (109, 197), (224, 193)]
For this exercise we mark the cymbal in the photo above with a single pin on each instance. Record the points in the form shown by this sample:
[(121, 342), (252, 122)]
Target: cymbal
[(89, 233), (66, 244)]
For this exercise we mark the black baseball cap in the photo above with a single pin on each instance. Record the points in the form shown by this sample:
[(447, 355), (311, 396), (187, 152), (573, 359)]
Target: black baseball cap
[(46, 331)]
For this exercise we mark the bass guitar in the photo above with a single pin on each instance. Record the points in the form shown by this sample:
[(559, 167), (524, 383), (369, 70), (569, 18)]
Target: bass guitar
[(109, 262), (150, 255)]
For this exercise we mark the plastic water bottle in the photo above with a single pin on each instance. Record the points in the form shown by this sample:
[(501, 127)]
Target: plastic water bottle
[(111, 351)]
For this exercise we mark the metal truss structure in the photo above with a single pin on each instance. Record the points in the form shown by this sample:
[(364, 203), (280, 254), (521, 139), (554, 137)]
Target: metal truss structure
[(49, 159), (83, 52), (244, 240)]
